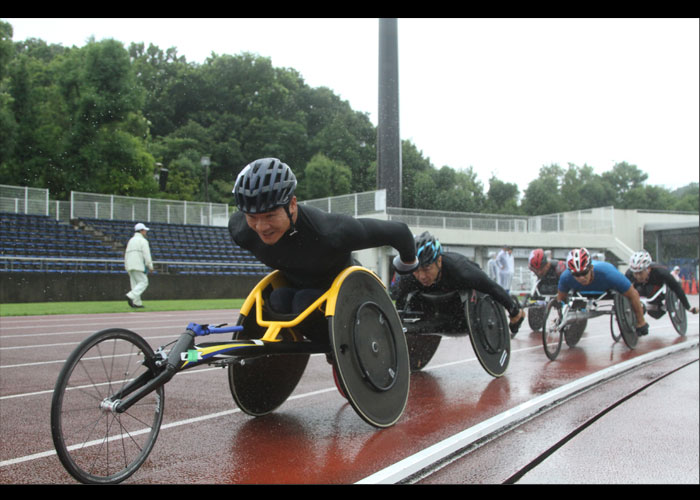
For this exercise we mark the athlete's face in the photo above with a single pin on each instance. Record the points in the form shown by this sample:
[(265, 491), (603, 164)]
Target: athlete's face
[(641, 276), (586, 278), (543, 270), (427, 275), (271, 226)]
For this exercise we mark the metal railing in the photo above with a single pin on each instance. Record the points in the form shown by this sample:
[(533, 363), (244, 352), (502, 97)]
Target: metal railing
[(24, 200), (114, 207), (459, 220), (356, 204)]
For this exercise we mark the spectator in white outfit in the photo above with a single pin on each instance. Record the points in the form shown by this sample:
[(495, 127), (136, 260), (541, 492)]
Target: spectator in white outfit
[(506, 266), (676, 273), (137, 261), (492, 267)]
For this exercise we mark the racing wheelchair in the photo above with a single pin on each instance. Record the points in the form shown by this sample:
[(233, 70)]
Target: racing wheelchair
[(536, 301), (567, 320), (428, 317), (665, 300), (108, 402)]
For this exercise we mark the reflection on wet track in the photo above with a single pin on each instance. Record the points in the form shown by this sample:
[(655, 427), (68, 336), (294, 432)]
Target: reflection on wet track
[(315, 437)]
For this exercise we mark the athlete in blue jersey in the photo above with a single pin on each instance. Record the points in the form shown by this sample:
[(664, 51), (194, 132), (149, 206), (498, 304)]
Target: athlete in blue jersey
[(586, 275)]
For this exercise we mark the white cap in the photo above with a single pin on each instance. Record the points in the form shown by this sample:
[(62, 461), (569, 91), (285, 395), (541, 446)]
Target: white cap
[(140, 227)]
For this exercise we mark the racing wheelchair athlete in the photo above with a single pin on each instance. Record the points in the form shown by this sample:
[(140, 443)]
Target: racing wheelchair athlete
[(547, 272), (590, 281), (450, 295), (107, 405), (659, 290)]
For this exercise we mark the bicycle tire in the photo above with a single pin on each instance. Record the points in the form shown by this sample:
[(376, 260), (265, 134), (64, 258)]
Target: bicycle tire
[(94, 444), (551, 333)]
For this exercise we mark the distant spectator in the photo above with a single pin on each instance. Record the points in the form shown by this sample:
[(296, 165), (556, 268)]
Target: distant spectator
[(137, 261), (676, 273), (492, 267), (506, 265)]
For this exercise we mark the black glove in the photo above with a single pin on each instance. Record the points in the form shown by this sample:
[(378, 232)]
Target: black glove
[(643, 330), (403, 268)]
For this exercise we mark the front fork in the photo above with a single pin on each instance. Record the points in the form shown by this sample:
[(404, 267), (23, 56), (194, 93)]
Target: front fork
[(160, 371)]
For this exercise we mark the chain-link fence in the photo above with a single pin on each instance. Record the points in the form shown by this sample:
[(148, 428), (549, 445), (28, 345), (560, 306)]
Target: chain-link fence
[(593, 220), (459, 220), (356, 204), (113, 207), (24, 200)]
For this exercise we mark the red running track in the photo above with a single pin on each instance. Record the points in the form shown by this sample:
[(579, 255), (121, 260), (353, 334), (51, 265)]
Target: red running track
[(313, 438)]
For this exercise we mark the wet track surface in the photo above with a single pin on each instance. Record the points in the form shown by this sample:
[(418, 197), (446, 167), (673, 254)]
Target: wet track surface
[(317, 438)]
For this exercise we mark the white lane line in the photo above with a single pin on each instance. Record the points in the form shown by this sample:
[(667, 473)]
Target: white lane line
[(43, 454), (441, 450)]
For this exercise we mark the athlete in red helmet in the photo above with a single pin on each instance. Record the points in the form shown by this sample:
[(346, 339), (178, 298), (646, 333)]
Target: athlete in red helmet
[(586, 274)]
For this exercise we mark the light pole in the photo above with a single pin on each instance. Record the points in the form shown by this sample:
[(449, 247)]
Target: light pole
[(205, 165)]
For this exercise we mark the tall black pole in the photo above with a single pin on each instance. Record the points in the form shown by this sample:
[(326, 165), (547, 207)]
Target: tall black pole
[(388, 138)]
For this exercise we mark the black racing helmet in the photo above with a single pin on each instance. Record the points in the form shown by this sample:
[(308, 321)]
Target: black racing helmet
[(264, 185), (428, 249)]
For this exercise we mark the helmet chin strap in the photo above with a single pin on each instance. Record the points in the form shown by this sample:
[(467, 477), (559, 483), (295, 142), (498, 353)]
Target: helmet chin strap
[(292, 227)]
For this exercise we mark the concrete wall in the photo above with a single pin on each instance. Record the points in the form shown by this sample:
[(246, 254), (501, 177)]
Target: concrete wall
[(623, 236), (626, 237), (64, 287)]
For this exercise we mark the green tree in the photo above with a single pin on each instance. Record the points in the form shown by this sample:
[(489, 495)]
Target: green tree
[(648, 197), (623, 177), (542, 195), (7, 119), (459, 191), (103, 101), (687, 198), (582, 188), (324, 177), (502, 197), (413, 164)]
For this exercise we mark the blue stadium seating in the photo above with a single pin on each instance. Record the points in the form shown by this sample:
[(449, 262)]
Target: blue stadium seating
[(30, 241)]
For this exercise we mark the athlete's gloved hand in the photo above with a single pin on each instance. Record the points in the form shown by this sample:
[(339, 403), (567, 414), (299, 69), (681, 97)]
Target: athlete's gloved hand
[(403, 268), (694, 310), (643, 330)]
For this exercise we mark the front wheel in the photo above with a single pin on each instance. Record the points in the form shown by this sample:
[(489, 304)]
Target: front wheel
[(95, 444), (551, 331)]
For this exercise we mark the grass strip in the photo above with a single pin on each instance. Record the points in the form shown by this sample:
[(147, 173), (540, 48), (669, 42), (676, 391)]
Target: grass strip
[(99, 307)]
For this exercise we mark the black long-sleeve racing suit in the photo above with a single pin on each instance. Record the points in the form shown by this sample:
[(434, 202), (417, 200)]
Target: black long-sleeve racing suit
[(321, 246), (457, 274), (658, 276)]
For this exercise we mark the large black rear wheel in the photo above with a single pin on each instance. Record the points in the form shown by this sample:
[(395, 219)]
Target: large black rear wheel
[(626, 320), (488, 332), (676, 312)]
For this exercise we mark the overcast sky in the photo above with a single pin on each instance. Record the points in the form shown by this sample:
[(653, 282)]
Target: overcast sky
[(504, 96)]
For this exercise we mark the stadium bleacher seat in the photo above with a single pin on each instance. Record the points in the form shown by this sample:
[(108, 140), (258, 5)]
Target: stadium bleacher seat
[(35, 243)]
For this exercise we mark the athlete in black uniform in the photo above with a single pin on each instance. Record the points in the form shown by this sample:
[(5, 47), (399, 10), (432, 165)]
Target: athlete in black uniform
[(648, 277), (442, 272), (310, 247)]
